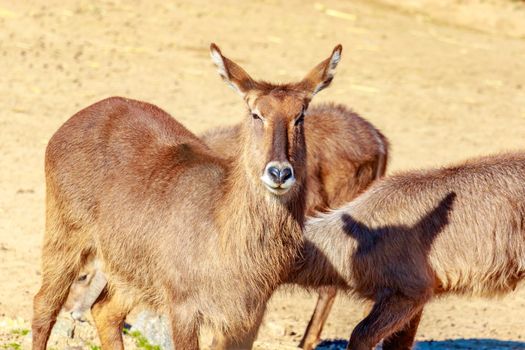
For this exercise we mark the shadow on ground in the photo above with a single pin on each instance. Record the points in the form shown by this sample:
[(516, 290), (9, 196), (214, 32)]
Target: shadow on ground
[(451, 344)]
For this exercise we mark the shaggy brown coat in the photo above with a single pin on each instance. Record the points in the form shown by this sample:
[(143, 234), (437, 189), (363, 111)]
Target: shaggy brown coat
[(420, 234), (334, 135), (345, 154), (175, 225)]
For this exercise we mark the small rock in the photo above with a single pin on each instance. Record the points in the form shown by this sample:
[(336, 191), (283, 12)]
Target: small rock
[(155, 328)]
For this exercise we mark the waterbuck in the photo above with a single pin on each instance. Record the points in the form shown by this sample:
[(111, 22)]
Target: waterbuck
[(418, 235), (345, 155), (177, 227)]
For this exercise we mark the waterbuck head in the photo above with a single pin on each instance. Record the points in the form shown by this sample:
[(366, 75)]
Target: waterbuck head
[(274, 144), (85, 290)]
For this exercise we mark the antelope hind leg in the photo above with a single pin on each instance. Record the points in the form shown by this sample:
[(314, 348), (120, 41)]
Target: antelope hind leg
[(46, 306), (404, 338), (389, 314), (245, 342), (58, 273), (312, 334)]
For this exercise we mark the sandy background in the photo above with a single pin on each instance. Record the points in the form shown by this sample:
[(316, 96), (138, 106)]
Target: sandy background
[(444, 80)]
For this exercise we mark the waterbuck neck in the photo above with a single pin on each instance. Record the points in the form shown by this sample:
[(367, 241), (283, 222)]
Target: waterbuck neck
[(255, 224)]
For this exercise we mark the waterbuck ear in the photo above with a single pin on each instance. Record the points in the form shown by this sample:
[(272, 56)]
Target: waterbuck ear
[(231, 72), (321, 76)]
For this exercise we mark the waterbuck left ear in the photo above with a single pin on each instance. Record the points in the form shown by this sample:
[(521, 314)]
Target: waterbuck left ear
[(231, 72), (321, 76)]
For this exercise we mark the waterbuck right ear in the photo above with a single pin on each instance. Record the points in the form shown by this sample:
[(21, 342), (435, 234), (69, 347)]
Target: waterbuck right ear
[(231, 72), (322, 74)]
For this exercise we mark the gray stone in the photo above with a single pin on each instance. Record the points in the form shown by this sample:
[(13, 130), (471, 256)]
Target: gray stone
[(155, 328)]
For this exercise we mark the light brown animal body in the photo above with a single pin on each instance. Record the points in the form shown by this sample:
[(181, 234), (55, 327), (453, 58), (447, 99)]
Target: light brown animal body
[(199, 238), (345, 154), (421, 234)]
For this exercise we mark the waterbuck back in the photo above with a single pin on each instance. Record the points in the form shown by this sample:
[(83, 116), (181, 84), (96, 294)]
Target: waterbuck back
[(420, 234)]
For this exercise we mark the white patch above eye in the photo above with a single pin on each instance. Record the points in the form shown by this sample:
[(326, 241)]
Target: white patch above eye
[(258, 113), (98, 264)]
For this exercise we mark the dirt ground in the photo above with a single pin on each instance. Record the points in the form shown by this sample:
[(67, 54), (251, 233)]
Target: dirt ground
[(444, 80)]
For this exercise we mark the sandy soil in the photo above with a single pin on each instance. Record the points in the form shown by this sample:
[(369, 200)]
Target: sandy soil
[(444, 80)]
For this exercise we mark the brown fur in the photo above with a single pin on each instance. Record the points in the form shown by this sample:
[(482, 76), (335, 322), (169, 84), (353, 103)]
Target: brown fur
[(175, 225), (421, 234), (360, 154), (345, 154)]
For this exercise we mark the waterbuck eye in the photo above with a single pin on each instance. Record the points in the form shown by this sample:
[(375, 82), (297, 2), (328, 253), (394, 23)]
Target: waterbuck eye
[(300, 120), (255, 116)]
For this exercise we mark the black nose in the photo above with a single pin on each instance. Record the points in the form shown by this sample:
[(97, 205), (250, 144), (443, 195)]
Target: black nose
[(286, 173), (279, 176)]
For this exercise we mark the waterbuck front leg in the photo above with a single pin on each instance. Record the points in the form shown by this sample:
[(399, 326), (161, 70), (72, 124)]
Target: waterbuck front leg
[(184, 328), (58, 273), (391, 311), (109, 313), (312, 334), (225, 342), (46, 306), (404, 338)]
